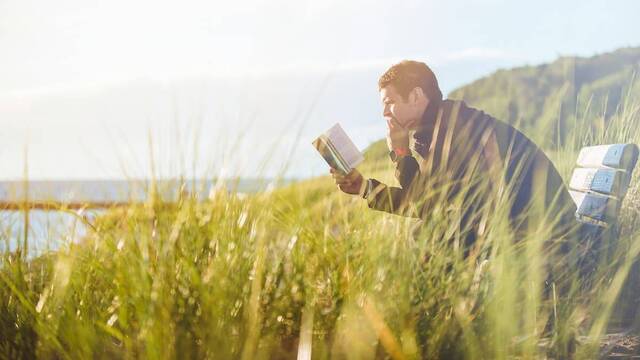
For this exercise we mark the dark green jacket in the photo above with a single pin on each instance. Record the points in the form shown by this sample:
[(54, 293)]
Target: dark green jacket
[(466, 158)]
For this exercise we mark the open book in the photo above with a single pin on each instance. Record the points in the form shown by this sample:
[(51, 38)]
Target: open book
[(338, 150)]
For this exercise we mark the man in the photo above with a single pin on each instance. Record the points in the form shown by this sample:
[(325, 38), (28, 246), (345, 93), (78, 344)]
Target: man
[(466, 163), (476, 176)]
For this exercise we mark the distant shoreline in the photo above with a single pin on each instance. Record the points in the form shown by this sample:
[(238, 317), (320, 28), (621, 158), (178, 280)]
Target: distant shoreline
[(103, 191)]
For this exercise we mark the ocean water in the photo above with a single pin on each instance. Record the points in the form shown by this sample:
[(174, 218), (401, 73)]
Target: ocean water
[(48, 230)]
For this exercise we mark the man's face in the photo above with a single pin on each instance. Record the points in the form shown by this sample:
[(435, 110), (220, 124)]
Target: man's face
[(405, 112)]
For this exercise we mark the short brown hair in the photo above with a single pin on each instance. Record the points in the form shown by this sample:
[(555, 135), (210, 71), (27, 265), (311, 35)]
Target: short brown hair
[(407, 75)]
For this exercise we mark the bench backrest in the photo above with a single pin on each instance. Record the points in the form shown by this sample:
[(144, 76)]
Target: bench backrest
[(601, 180)]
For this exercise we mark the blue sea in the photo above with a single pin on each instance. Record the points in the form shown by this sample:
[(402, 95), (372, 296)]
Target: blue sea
[(48, 230)]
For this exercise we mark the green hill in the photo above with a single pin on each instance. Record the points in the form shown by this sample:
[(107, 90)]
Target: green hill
[(558, 95)]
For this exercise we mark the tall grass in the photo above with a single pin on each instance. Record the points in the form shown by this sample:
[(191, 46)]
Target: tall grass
[(306, 270)]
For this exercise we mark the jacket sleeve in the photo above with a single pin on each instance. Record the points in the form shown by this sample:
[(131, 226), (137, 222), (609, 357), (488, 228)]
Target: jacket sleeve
[(397, 200)]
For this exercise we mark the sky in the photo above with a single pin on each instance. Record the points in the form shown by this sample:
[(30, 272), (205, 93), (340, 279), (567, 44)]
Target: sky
[(105, 89)]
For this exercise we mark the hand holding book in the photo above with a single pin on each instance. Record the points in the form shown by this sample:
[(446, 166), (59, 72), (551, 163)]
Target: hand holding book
[(343, 156), (352, 183)]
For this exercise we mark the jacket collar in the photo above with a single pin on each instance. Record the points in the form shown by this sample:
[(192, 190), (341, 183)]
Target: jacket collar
[(424, 132)]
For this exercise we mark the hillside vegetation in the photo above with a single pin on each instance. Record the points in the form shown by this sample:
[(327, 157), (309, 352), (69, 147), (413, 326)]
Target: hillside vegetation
[(547, 101)]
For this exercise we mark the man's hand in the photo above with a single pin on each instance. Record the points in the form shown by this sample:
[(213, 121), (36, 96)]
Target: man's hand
[(352, 183), (398, 136)]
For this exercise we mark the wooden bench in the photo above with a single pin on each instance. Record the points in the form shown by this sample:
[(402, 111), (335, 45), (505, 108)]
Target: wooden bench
[(600, 182)]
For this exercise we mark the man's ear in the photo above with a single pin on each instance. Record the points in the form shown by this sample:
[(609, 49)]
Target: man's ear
[(416, 94)]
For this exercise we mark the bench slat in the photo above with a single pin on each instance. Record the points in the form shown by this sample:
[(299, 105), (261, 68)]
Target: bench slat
[(618, 156), (605, 181), (595, 206)]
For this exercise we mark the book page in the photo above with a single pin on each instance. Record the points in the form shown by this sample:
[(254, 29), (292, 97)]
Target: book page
[(345, 147)]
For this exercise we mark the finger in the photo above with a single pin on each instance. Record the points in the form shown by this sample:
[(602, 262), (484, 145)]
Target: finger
[(343, 187), (343, 182)]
